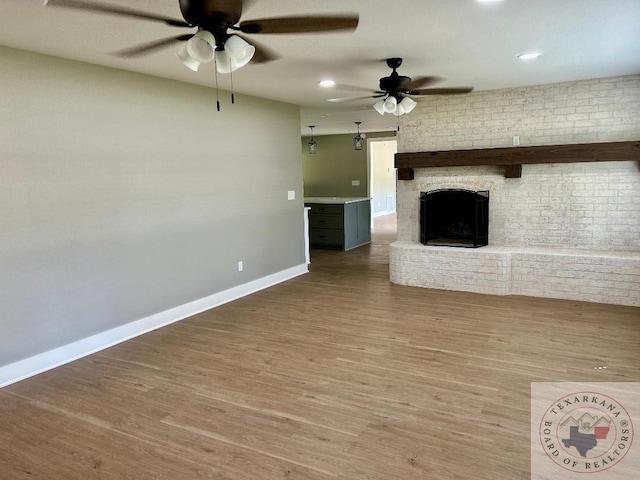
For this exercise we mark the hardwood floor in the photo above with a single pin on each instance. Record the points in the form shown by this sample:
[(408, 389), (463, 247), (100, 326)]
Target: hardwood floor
[(337, 374)]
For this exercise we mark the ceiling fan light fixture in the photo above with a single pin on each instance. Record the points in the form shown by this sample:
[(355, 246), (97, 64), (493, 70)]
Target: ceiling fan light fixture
[(201, 46), (187, 59), (399, 110), (236, 54), (390, 104), (379, 107), (408, 104), (224, 63)]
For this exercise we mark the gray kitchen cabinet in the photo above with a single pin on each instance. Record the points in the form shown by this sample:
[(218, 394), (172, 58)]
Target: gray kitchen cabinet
[(340, 223)]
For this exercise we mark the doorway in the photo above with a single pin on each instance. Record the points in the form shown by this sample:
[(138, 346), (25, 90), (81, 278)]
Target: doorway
[(382, 180)]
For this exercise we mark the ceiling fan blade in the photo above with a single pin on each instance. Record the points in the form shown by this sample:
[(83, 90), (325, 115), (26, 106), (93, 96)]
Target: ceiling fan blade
[(420, 82), (150, 47), (247, 5), (306, 24), (113, 10), (440, 91), (342, 86), (352, 99), (263, 54)]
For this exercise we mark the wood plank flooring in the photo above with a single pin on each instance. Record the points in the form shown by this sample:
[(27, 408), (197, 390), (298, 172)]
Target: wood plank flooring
[(337, 374)]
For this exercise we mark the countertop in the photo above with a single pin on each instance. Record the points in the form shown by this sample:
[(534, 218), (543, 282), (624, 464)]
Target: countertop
[(335, 200)]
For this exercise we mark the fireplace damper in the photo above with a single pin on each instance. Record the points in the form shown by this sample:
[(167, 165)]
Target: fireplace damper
[(454, 218)]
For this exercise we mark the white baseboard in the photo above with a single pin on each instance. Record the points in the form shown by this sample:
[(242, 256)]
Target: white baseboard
[(42, 362)]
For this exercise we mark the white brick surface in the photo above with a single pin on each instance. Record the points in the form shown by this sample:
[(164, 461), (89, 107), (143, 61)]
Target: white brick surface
[(586, 207), (599, 110), (589, 206), (601, 277)]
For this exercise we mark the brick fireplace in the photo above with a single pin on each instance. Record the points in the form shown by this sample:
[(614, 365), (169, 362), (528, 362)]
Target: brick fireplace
[(556, 232), (569, 230)]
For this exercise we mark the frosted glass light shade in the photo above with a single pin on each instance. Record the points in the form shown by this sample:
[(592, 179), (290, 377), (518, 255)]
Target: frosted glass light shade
[(236, 54), (201, 46), (408, 104), (379, 107), (399, 110), (187, 59), (390, 104)]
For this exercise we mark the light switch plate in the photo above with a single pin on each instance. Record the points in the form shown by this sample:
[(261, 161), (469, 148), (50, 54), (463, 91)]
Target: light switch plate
[(291, 195)]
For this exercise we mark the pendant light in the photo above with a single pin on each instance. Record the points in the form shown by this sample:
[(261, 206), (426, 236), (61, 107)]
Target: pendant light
[(358, 140), (312, 145)]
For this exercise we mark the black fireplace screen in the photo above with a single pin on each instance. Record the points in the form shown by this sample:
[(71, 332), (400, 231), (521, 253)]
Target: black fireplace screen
[(454, 218)]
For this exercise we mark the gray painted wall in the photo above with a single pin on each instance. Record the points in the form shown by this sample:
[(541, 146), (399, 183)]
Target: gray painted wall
[(329, 172), (123, 195)]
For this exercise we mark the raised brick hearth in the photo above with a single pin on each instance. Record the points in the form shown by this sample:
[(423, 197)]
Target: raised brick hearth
[(603, 277)]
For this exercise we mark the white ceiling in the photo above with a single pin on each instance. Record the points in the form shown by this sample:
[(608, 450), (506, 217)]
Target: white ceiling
[(465, 42)]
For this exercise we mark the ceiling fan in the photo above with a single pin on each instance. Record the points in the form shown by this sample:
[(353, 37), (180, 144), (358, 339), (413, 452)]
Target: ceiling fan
[(219, 30), (396, 91)]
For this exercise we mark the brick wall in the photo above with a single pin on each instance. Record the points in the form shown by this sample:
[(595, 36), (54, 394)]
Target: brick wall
[(600, 110), (593, 206)]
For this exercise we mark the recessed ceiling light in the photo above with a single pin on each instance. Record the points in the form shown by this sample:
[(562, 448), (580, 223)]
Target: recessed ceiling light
[(488, 1), (528, 56), (327, 83)]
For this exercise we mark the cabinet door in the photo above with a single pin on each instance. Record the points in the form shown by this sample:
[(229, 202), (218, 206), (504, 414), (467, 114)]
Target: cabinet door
[(357, 224), (364, 221), (326, 221), (319, 208), (326, 238)]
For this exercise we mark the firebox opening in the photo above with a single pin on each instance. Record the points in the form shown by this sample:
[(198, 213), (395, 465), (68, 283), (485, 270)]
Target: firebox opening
[(454, 218)]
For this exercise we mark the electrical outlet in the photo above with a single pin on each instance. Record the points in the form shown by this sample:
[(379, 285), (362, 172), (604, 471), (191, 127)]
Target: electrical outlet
[(291, 195), (355, 183), (240, 266), (516, 140)]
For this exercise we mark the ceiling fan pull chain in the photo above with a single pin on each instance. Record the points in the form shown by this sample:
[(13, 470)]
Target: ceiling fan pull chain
[(215, 70), (233, 97)]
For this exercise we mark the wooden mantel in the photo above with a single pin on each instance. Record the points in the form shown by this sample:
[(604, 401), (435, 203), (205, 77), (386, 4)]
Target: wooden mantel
[(512, 158)]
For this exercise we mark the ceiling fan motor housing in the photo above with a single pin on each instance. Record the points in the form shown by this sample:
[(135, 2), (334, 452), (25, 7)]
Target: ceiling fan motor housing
[(209, 14), (394, 83)]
